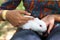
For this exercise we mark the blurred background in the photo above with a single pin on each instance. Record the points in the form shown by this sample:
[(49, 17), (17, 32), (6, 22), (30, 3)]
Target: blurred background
[(6, 29)]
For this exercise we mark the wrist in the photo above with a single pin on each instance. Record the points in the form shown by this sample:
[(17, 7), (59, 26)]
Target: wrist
[(3, 14), (1, 19)]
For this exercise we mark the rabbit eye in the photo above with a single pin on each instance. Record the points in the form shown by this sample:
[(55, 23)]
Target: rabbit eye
[(40, 25)]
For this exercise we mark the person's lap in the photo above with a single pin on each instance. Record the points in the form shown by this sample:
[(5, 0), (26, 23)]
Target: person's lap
[(31, 35), (55, 34), (25, 35)]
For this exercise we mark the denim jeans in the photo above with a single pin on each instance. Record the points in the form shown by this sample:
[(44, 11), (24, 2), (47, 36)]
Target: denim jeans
[(31, 35)]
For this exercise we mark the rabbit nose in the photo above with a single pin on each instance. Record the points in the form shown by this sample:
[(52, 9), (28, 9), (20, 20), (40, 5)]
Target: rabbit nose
[(40, 25)]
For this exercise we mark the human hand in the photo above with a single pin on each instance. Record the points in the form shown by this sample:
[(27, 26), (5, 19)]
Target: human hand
[(16, 17), (49, 20)]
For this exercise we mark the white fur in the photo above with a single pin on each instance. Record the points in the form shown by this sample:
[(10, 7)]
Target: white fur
[(35, 25)]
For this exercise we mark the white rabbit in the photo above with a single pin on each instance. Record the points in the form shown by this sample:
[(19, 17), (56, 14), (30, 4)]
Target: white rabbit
[(36, 25)]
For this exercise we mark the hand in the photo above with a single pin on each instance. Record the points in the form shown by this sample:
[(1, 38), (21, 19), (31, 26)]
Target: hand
[(16, 18), (49, 20)]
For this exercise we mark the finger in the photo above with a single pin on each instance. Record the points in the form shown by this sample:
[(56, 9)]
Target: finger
[(22, 23), (24, 12), (27, 18), (50, 28)]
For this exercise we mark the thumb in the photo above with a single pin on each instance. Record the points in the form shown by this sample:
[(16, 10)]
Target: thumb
[(24, 12)]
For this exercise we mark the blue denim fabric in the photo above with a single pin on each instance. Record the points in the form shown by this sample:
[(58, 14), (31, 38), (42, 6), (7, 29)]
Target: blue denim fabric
[(25, 35), (31, 35), (55, 34)]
